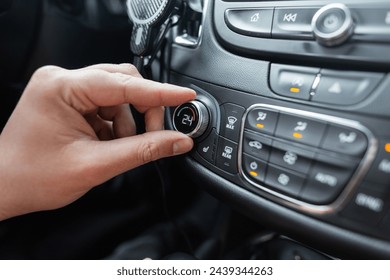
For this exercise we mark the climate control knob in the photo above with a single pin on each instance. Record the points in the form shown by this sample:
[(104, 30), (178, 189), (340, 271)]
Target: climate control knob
[(191, 118)]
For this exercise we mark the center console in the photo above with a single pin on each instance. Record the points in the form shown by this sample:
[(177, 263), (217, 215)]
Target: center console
[(293, 108)]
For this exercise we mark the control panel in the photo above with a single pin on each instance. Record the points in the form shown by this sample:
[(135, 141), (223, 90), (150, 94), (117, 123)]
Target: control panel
[(297, 96), (301, 156), (354, 30), (316, 163)]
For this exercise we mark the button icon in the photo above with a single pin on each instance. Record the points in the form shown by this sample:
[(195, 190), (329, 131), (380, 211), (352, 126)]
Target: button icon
[(261, 116), (231, 121), (387, 19), (227, 153), (283, 179), (331, 22), (256, 144), (349, 138), (301, 126), (253, 165), (326, 179), (290, 17), (206, 149), (335, 88), (373, 203), (290, 158), (384, 166), (296, 85), (255, 17)]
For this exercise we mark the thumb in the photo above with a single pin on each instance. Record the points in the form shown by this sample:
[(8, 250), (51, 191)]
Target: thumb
[(117, 156)]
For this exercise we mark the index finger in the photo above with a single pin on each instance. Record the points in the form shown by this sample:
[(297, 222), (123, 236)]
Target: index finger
[(85, 90)]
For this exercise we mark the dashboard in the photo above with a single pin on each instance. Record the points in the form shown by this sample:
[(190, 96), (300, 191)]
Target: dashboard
[(291, 121)]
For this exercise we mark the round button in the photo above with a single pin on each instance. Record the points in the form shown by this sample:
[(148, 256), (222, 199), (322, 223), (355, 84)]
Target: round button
[(332, 24), (191, 118)]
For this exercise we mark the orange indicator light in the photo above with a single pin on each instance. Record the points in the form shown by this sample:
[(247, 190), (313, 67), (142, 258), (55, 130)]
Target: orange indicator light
[(295, 89), (260, 125), (297, 135), (387, 147), (253, 173)]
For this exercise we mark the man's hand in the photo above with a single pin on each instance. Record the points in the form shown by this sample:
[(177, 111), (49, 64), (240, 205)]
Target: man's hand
[(73, 129)]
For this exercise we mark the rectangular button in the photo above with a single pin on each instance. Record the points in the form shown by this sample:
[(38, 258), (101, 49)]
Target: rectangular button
[(345, 88), (208, 147), (293, 23), (254, 168), (231, 121), (250, 22), (291, 157), (325, 183), (368, 205), (284, 181), (292, 81), (262, 120), (344, 140), (300, 129), (227, 155), (373, 23), (257, 145)]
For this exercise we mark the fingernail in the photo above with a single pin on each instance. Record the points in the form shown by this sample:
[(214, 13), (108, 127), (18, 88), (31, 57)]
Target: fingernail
[(182, 146)]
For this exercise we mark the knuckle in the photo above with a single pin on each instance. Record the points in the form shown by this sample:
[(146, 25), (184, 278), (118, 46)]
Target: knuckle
[(147, 152), (46, 71), (131, 68), (48, 77)]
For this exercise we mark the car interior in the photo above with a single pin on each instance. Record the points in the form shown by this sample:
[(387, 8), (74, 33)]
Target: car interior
[(291, 126)]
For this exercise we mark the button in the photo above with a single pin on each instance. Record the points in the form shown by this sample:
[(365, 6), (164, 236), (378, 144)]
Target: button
[(292, 81), (208, 147), (300, 129), (345, 88), (254, 168), (250, 22), (284, 181), (291, 157), (373, 24), (293, 23), (380, 170), (325, 182), (332, 24), (344, 140), (257, 145), (227, 155), (368, 205), (262, 120), (231, 121)]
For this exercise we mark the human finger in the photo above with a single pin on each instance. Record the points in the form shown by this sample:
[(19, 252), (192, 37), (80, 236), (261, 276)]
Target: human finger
[(122, 119), (154, 118), (110, 158), (124, 68), (94, 88)]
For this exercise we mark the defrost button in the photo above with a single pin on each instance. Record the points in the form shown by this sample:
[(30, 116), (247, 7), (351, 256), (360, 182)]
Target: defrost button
[(231, 121), (227, 155)]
